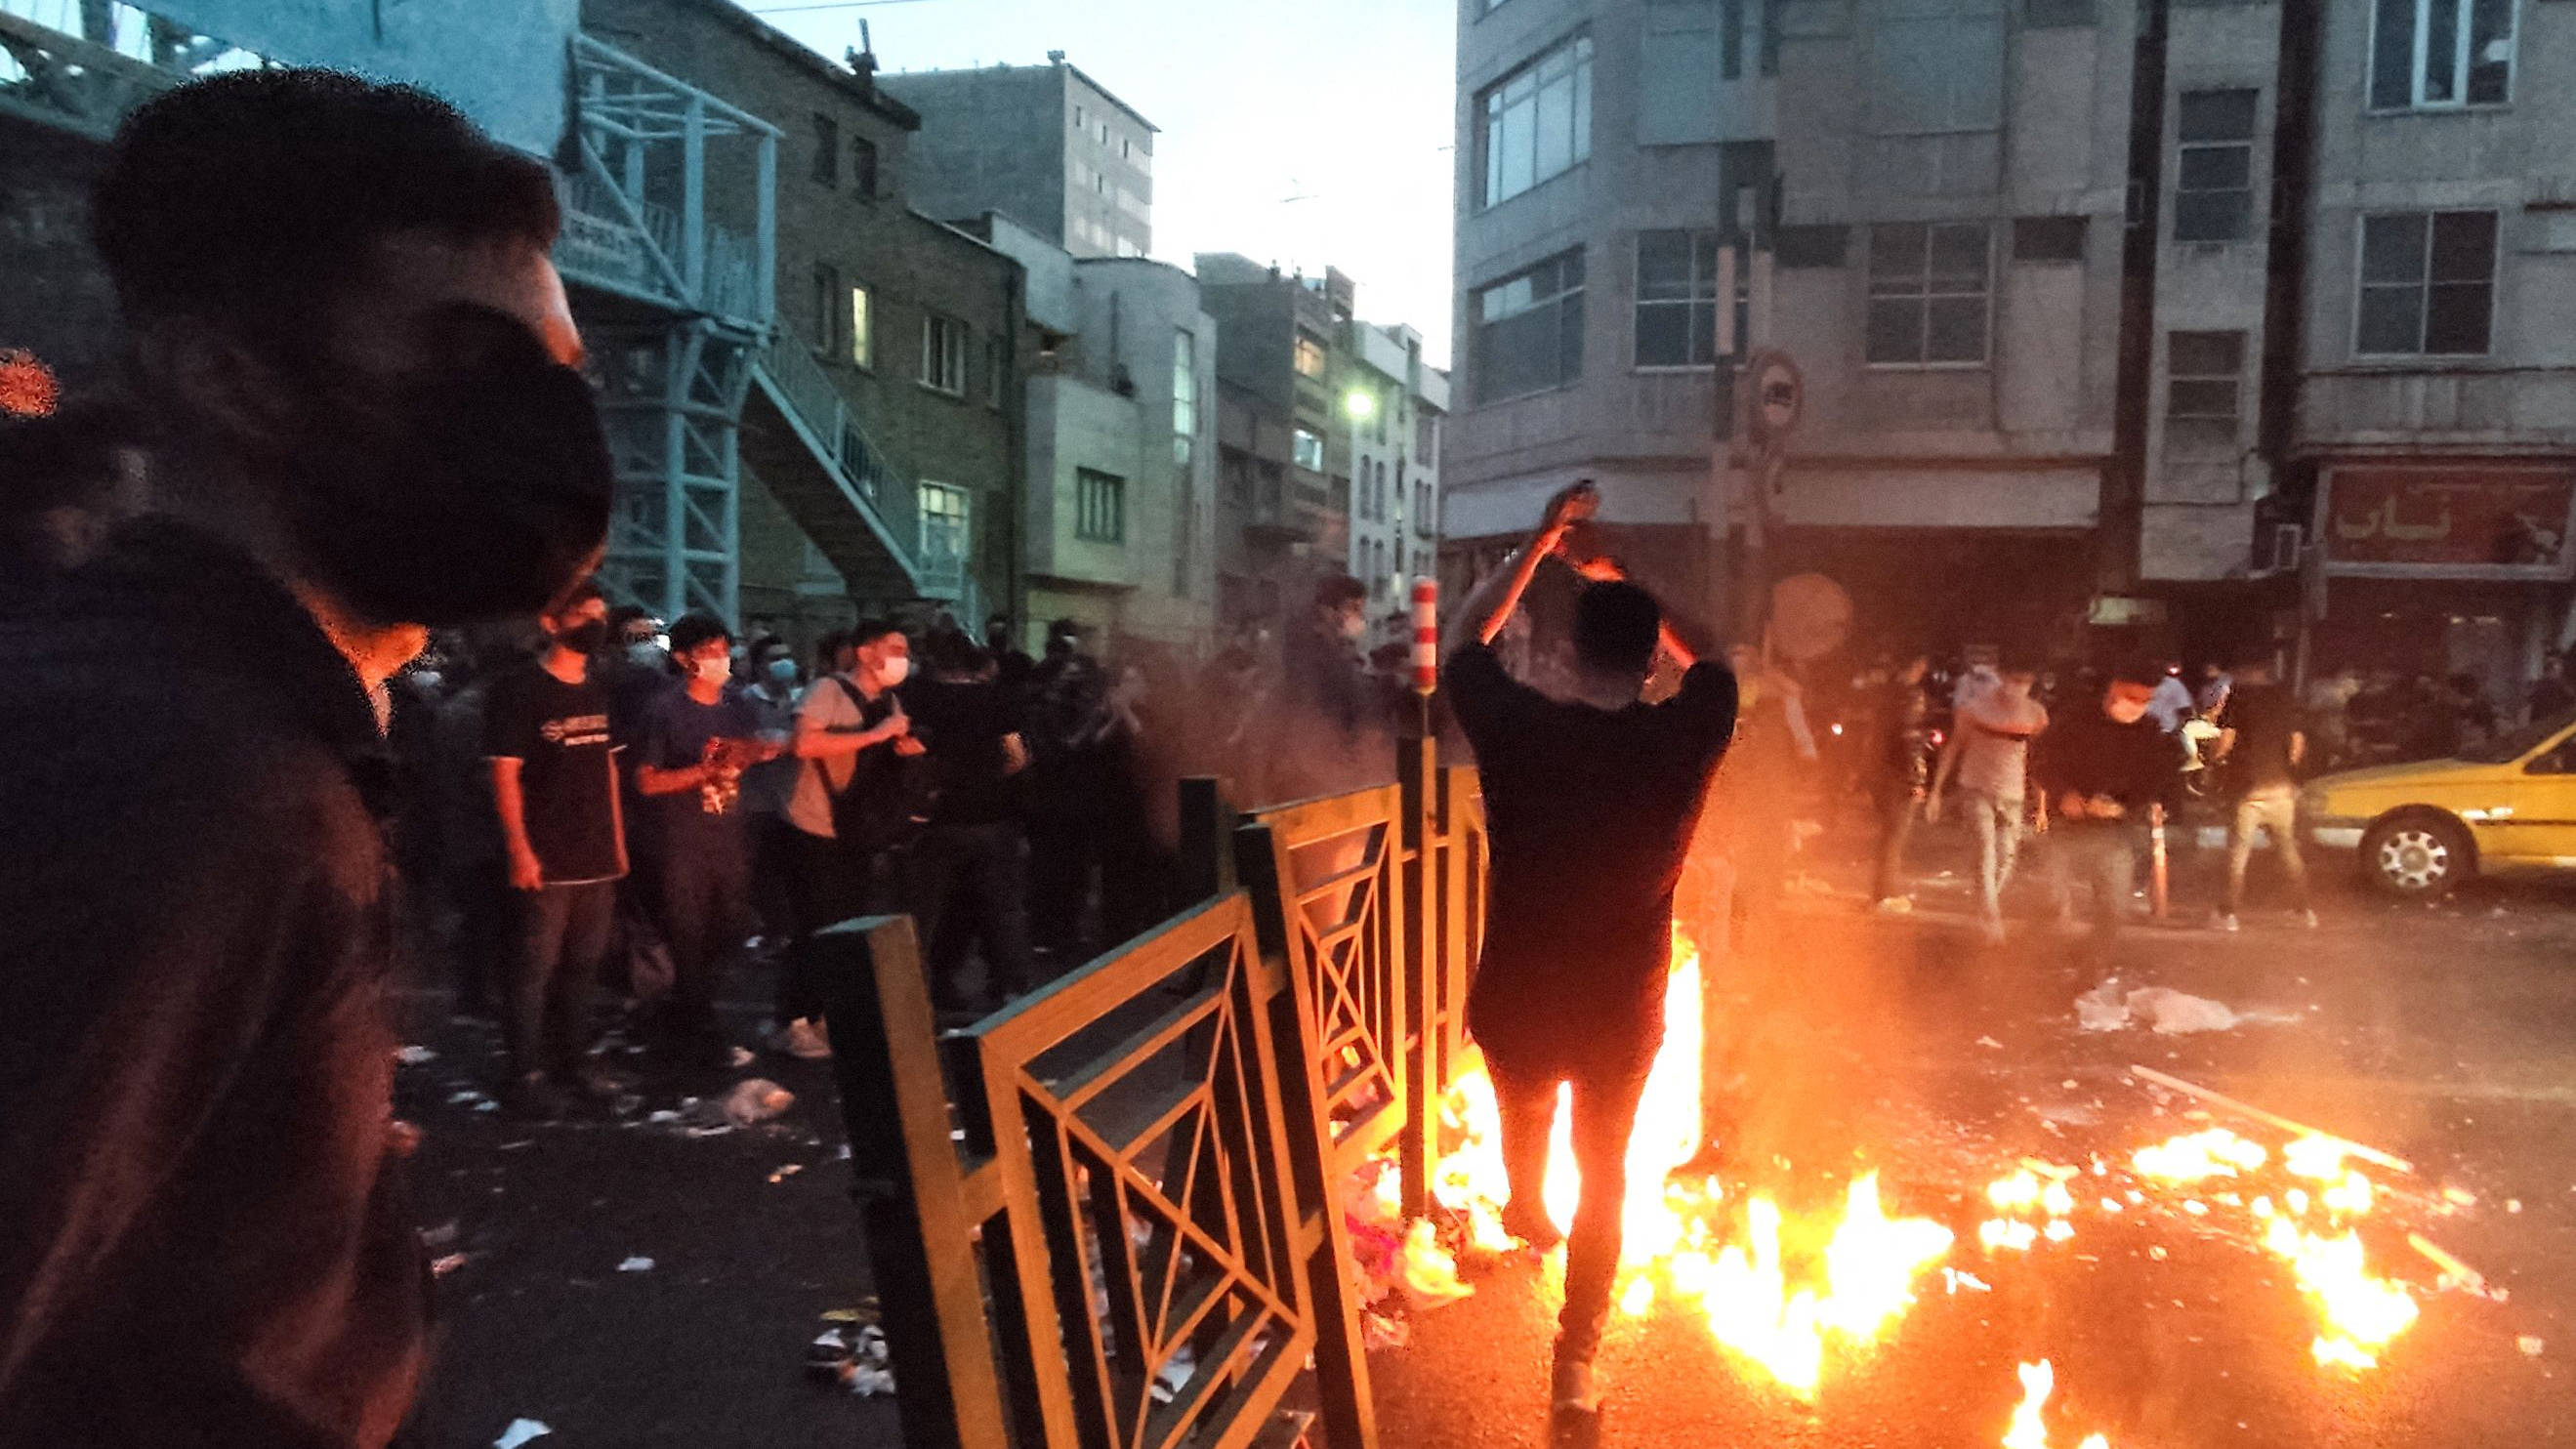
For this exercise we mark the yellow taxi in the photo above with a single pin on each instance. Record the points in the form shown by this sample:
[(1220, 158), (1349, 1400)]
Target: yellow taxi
[(2499, 808)]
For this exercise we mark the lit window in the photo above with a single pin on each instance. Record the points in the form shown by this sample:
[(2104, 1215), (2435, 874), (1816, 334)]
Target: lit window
[(1529, 329), (2427, 284), (2214, 182), (1099, 506), (1927, 293), (1537, 123), (862, 332), (946, 527), (1310, 356), (1185, 397), (1309, 451), (943, 355), (2441, 54)]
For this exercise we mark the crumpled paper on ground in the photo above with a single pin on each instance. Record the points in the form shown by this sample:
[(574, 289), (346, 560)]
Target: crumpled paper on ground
[(520, 1432), (2159, 1008), (756, 1099)]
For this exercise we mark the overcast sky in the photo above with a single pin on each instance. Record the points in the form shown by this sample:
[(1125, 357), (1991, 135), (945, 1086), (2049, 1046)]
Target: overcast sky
[(1342, 103)]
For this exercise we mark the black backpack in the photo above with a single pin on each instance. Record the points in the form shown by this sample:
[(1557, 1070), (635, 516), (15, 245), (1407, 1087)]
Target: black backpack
[(888, 798)]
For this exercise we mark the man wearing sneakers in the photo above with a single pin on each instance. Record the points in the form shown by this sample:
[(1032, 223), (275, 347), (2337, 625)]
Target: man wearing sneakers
[(2264, 741), (554, 783), (1989, 754)]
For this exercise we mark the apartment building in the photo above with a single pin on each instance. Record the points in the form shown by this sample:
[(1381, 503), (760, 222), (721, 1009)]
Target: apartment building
[(1045, 145)]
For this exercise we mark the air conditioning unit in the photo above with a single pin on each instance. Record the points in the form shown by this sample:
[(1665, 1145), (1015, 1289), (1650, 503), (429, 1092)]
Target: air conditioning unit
[(2279, 552)]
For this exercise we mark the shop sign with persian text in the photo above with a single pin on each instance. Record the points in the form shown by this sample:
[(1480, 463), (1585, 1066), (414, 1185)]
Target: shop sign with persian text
[(2466, 520)]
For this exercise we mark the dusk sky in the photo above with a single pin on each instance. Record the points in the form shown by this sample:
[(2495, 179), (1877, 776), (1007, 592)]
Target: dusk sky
[(1343, 103)]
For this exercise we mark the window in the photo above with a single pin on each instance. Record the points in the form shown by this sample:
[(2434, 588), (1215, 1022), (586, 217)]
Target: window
[(863, 166), (997, 372), (943, 355), (862, 330), (945, 526), (1426, 440), (1099, 506), (2204, 391), (2427, 283), (827, 310), (2214, 186), (1310, 356), (1927, 294), (2441, 54), (1538, 122), (1678, 277), (827, 150), (2048, 238), (1529, 329), (1309, 451), (1185, 398)]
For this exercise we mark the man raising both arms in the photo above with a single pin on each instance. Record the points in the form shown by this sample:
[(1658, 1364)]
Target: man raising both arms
[(1591, 803)]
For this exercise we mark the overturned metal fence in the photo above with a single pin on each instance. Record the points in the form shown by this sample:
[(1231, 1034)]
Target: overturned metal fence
[(1108, 1216)]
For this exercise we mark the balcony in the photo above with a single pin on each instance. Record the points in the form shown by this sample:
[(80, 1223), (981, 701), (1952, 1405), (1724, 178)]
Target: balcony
[(80, 65)]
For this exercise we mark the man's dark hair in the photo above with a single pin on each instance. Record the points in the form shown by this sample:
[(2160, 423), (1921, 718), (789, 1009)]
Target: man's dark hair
[(694, 629), (1334, 590), (1616, 625), (582, 593), (869, 631), (252, 197), (827, 650), (625, 614), (764, 644)]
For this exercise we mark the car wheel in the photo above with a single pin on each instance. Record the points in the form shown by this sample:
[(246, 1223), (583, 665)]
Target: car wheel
[(2416, 857)]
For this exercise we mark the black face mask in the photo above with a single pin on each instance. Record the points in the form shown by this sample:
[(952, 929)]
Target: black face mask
[(584, 637), (473, 491)]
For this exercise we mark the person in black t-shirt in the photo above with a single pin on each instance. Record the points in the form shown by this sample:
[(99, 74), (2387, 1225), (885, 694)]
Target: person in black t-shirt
[(694, 742), (2264, 742), (554, 784), (969, 879), (2101, 772), (1591, 802)]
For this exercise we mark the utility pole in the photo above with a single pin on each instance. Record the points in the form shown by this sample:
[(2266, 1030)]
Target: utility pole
[(2124, 482)]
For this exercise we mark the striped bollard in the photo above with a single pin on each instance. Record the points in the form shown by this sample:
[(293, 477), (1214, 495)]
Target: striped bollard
[(1426, 636)]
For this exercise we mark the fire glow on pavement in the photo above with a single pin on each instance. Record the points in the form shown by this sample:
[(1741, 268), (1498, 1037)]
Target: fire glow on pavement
[(1798, 1299)]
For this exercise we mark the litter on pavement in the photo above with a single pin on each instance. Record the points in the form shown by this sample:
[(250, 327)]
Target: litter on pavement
[(756, 1100), (520, 1432), (2159, 1008), (636, 1264)]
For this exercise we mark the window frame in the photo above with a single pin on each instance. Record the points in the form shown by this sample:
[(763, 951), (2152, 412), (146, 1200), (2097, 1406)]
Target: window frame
[(2175, 377), (1870, 298), (1578, 45), (828, 340), (1720, 275), (1308, 345), (925, 517), (864, 175), (1185, 397), (1099, 506), (859, 315), (1300, 437), (2424, 320), (2463, 63), (1566, 376), (2183, 149), (948, 359)]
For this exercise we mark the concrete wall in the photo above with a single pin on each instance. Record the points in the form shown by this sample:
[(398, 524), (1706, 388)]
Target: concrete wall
[(991, 140), (55, 300)]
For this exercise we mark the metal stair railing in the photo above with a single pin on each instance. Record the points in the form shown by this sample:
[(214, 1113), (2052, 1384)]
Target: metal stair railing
[(822, 420)]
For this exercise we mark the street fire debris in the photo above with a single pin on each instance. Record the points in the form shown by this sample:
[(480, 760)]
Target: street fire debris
[(1802, 1298), (851, 1353)]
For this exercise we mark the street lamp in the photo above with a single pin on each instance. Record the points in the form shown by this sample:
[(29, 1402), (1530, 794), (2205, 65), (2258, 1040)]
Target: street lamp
[(1360, 404)]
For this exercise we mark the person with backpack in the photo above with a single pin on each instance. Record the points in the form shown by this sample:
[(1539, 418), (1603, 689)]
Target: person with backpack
[(844, 811)]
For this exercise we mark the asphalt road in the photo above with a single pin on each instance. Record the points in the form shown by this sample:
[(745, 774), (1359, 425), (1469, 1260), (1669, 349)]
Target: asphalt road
[(2446, 1035)]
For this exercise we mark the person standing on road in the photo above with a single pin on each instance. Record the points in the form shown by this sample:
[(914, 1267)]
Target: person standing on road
[(1897, 777), (697, 740), (849, 731), (342, 317), (969, 879), (2100, 774), (1989, 753), (563, 834), (2265, 742), (1592, 802)]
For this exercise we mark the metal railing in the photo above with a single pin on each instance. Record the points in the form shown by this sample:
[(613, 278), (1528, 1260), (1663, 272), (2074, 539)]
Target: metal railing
[(1136, 1235), (882, 497)]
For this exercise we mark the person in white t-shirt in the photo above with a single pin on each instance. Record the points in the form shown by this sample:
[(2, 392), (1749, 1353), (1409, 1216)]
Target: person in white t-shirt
[(1989, 754)]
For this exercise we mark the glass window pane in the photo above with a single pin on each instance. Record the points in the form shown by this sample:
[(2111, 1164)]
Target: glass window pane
[(1704, 265), (1569, 338), (2213, 215), (2217, 115), (2392, 320), (2441, 51), (1520, 142), (1896, 256), (1703, 334), (2455, 321), (2203, 399), (1895, 330), (2392, 55), (1583, 105), (2392, 248), (2463, 246), (2206, 354), (1663, 335), (1955, 330), (1959, 258), (1663, 265), (1555, 128), (2490, 51), (2217, 168)]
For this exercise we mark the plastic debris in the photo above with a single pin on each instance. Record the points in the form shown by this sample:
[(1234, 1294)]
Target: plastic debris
[(741, 1057), (416, 1056), (2103, 1008), (787, 1171), (520, 1432), (465, 1096), (636, 1264), (2159, 1008), (664, 1118), (756, 1099), (1990, 1043), (2529, 1345), (441, 1267), (487, 1105), (852, 1353)]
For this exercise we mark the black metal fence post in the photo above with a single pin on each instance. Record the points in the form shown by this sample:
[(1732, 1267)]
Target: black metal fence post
[(1417, 773)]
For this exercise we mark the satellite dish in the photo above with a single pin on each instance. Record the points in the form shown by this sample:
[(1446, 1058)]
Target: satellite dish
[(1811, 616)]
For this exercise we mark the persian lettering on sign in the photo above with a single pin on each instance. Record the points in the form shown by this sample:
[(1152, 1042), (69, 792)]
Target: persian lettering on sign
[(2450, 518)]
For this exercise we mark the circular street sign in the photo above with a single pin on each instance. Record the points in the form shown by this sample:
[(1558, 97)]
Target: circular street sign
[(1811, 616), (1776, 394)]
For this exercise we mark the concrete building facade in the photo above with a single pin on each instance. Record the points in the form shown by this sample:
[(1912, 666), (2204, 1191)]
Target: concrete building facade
[(1119, 516), (1285, 460), (1392, 404), (1045, 145)]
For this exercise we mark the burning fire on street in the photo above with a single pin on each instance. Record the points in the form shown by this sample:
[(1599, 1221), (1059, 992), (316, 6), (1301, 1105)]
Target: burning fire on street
[(1799, 1298)]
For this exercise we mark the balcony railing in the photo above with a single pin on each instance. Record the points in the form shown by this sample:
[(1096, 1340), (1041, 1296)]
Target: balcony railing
[(882, 497), (80, 65)]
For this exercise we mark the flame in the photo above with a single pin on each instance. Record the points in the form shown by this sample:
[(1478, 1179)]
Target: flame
[(2362, 1312), (2198, 1156), (2038, 1381)]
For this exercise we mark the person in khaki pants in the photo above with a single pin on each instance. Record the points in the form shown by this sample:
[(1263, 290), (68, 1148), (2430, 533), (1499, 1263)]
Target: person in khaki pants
[(2264, 741)]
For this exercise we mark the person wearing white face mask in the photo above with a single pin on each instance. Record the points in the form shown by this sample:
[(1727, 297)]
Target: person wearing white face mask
[(850, 731), (696, 742)]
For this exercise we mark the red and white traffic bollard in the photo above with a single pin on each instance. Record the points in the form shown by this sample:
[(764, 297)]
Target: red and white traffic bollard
[(1426, 636)]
